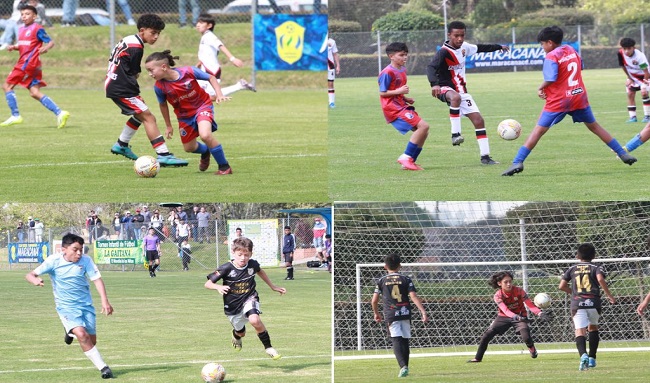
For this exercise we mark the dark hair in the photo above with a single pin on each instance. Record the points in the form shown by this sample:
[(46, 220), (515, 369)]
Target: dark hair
[(207, 18), (238, 229), (24, 6), (586, 252), (149, 20), (456, 25), (242, 243), (627, 42), (498, 277), (392, 261), (164, 55), (396, 47), (287, 228), (70, 238), (554, 33)]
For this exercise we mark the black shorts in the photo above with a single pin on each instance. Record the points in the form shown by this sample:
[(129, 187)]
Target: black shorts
[(152, 255), (501, 324), (287, 257)]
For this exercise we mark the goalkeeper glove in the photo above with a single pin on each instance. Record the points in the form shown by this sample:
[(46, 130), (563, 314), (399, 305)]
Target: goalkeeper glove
[(519, 318), (546, 316)]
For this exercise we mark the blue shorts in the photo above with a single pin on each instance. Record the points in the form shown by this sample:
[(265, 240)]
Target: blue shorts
[(406, 121), (548, 119), (78, 317)]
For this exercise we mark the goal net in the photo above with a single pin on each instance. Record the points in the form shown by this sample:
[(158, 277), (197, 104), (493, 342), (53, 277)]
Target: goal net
[(450, 250)]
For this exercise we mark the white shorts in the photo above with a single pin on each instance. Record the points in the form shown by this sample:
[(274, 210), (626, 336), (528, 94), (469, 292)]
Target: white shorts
[(586, 317), (636, 86), (331, 74), (239, 320), (467, 103), (400, 328), (207, 87)]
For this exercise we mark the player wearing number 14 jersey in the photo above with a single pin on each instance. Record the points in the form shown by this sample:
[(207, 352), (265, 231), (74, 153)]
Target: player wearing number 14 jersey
[(565, 93)]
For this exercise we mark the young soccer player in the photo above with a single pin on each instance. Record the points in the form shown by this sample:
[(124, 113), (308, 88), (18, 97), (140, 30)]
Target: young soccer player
[(565, 93), (192, 106), (151, 244), (27, 71), (511, 303), (240, 300), (333, 69), (397, 292), (288, 246), (69, 272), (122, 87), (587, 280), (446, 75), (398, 108), (209, 48), (635, 67)]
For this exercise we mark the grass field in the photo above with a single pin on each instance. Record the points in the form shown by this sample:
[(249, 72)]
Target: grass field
[(165, 329), (569, 163), (275, 139)]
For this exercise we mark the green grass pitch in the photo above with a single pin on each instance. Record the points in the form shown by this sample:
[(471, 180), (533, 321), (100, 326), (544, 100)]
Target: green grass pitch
[(569, 163), (165, 329)]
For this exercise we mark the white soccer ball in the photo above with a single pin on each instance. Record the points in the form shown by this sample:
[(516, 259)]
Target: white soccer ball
[(213, 373), (509, 129), (542, 300), (146, 166)]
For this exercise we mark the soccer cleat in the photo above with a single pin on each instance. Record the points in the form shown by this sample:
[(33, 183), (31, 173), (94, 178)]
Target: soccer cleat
[(487, 160), (236, 343), (205, 161), (533, 352), (408, 164), (273, 353), (107, 373), (514, 169), (170, 161), (288, 279), (632, 119), (13, 120), (124, 151), (457, 140), (247, 85), (223, 172), (332, 105), (62, 119), (627, 158), (404, 372), (646, 119), (474, 361), (584, 362), (592, 362), (67, 338)]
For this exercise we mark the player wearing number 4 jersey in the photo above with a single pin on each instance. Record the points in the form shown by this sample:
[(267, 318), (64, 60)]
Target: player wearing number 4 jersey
[(565, 93)]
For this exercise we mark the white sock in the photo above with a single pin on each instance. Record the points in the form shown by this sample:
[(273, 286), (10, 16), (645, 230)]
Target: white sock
[(646, 110), (95, 357), (631, 110), (127, 134), (331, 96), (231, 89), (484, 146)]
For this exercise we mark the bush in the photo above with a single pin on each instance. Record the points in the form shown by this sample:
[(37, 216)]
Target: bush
[(561, 16), (408, 21), (343, 26)]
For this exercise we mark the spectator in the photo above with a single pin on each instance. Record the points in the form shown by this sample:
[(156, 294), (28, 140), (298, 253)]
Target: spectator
[(186, 254), (69, 13), (147, 215), (10, 26), (193, 221), (172, 222), (319, 232), (182, 12), (94, 223), (20, 230), (117, 225), (181, 213), (203, 218), (31, 236), (182, 234), (138, 225), (126, 9), (127, 226), (157, 222), (38, 230)]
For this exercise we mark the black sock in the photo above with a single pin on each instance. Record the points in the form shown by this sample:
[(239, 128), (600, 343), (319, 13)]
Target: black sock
[(594, 339), (234, 334), (581, 343), (265, 338), (398, 350), (224, 166)]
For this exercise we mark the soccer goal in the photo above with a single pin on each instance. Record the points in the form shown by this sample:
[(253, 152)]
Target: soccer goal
[(450, 250)]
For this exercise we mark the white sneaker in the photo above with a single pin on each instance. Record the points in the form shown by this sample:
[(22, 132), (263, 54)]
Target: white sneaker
[(273, 353), (246, 85), (13, 120)]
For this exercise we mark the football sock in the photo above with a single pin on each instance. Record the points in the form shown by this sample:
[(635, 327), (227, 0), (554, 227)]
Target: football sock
[(594, 339), (95, 357), (12, 102), (418, 150), (634, 143), (219, 155), (234, 334), (581, 344), (521, 155), (201, 148), (159, 145), (411, 150), (50, 105), (454, 118), (631, 110), (133, 123), (646, 106), (398, 350), (483, 143), (616, 147), (231, 89), (265, 338), (330, 95), (406, 351)]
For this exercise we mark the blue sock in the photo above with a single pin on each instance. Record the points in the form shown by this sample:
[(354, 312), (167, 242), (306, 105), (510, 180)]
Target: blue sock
[(411, 150), (521, 155), (202, 148), (218, 155), (417, 153), (634, 143), (615, 146), (49, 104), (12, 102)]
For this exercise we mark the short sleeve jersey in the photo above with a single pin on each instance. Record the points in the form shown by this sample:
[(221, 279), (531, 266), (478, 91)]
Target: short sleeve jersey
[(70, 280), (585, 289), (513, 300), (635, 64), (124, 68), (185, 94), (209, 53), (395, 289), (241, 282), (151, 242), (331, 49), (563, 68), (30, 40), (390, 79)]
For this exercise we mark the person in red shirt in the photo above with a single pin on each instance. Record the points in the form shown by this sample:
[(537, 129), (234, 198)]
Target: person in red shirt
[(565, 93), (511, 303)]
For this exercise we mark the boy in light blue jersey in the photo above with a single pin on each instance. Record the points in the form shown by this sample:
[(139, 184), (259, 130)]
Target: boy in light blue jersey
[(69, 272)]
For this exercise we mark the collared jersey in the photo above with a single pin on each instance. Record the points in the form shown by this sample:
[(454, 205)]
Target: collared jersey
[(585, 288), (184, 94), (241, 282), (395, 289), (124, 68), (635, 64), (151, 242), (70, 280), (563, 67)]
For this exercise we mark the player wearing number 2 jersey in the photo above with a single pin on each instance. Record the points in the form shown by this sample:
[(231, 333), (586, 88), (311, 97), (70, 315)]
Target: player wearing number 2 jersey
[(565, 93)]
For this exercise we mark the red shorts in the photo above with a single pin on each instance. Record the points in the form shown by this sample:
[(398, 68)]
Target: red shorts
[(189, 127), (131, 105), (26, 78)]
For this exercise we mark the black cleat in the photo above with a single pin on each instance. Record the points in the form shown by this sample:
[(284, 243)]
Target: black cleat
[(107, 373), (487, 160), (457, 140), (627, 158), (67, 338), (533, 352), (474, 361), (514, 169)]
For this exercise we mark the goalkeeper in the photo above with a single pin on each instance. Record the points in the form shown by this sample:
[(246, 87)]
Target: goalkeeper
[(510, 300)]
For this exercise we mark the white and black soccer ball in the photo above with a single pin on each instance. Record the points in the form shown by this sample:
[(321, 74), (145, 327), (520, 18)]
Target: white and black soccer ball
[(146, 166), (542, 300), (213, 373), (509, 129)]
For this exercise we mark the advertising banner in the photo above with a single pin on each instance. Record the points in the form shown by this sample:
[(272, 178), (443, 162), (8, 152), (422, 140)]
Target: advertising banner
[(519, 55), (263, 233), (34, 252), (127, 252)]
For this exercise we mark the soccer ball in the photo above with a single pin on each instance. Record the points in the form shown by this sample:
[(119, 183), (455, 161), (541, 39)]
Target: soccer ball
[(146, 166), (542, 300), (213, 373), (509, 129)]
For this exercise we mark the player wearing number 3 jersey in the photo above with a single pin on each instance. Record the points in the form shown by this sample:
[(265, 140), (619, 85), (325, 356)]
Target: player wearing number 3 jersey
[(565, 93)]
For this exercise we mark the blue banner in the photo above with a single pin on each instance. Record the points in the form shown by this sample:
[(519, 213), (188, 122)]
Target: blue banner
[(33, 252), (519, 55), (290, 42)]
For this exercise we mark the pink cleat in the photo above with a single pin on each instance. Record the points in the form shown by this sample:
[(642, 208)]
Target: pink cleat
[(408, 164)]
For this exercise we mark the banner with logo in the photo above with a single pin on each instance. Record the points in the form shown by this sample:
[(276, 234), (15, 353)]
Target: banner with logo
[(290, 42), (34, 252), (263, 233), (519, 55), (118, 252)]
